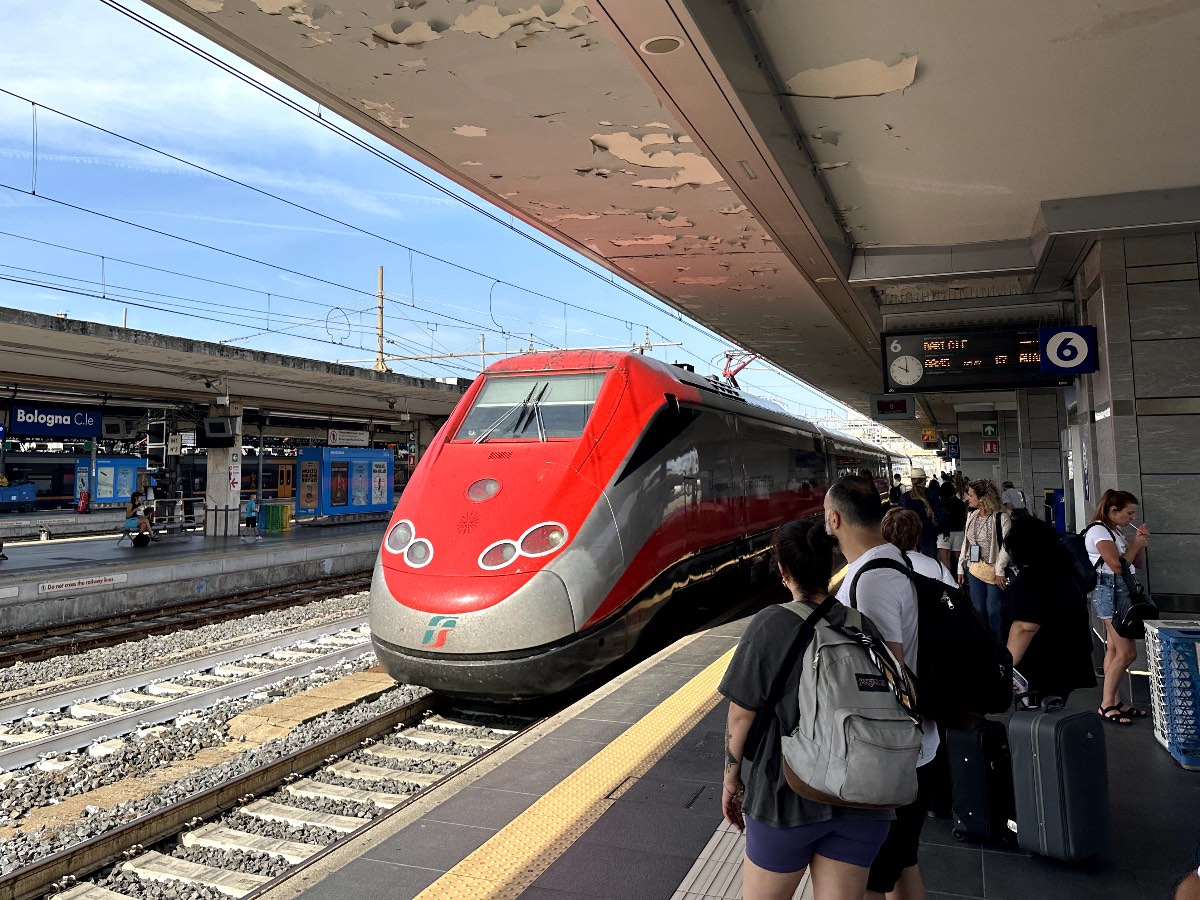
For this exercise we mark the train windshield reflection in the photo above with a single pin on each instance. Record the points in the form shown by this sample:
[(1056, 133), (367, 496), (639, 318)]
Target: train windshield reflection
[(531, 407)]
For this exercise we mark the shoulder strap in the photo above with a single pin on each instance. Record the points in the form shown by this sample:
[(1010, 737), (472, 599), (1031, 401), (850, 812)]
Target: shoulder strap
[(803, 637), (870, 567)]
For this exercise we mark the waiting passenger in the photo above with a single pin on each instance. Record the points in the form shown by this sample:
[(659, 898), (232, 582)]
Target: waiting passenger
[(950, 540), (902, 528), (1050, 638), (982, 561), (786, 833), (928, 508), (3, 556), (1106, 548), (136, 516), (896, 494), (1013, 500), (853, 515)]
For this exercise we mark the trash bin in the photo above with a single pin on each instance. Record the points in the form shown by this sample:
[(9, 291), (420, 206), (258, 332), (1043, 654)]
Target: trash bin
[(1055, 509)]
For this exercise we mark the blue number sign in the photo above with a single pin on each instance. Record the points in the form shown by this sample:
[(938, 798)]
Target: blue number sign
[(1068, 349)]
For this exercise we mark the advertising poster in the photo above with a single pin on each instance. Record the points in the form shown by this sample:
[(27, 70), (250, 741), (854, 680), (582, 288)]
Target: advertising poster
[(339, 483), (379, 479), (360, 483), (104, 482), (124, 481), (310, 471)]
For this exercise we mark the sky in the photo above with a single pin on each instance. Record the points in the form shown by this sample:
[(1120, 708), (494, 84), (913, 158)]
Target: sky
[(108, 230)]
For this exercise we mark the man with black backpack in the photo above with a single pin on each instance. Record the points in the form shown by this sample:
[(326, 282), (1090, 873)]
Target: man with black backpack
[(853, 515)]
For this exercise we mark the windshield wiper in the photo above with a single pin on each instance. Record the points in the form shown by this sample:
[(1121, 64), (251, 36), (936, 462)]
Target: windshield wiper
[(500, 421), (537, 413)]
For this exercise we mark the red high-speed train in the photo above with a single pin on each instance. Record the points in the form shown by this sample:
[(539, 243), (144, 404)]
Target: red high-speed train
[(567, 498)]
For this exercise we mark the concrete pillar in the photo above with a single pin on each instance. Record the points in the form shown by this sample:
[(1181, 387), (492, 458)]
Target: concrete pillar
[(223, 496), (1139, 416), (973, 461), (1010, 448), (1041, 420)]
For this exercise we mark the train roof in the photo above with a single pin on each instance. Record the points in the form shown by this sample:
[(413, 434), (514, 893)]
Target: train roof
[(854, 442)]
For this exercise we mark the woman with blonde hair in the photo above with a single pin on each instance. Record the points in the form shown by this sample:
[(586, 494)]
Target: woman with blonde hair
[(983, 559), (1109, 551)]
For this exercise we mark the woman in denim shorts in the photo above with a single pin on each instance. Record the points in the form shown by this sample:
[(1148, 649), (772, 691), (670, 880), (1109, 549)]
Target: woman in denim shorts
[(1107, 547), (787, 834)]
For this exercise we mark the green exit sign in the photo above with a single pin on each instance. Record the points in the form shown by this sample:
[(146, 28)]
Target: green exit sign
[(991, 430)]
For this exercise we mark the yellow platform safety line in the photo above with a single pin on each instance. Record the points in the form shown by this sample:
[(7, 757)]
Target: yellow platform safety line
[(515, 856)]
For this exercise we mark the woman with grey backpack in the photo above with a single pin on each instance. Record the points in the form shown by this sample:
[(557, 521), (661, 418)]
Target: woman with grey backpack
[(787, 830)]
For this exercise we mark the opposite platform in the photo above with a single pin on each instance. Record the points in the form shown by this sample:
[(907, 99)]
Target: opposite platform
[(59, 582), (618, 797)]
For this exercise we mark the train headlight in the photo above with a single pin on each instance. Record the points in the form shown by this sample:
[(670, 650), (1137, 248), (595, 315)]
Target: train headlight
[(498, 555), (400, 536), (543, 539), (419, 553), (483, 489)]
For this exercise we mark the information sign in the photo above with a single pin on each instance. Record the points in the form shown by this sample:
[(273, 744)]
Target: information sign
[(1069, 350), (339, 437), (991, 429), (1001, 358), (929, 435), (991, 447), (892, 406), (953, 447)]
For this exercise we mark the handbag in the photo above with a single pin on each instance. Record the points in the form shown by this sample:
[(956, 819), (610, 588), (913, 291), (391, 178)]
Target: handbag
[(1129, 619)]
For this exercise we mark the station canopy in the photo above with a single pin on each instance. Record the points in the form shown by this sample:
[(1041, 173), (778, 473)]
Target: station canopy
[(799, 176), (51, 358)]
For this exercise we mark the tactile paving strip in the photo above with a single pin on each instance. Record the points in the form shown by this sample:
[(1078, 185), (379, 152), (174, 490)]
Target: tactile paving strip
[(516, 855)]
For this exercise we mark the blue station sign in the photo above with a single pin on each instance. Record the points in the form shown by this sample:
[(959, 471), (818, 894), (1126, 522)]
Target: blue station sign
[(1068, 350), (54, 421)]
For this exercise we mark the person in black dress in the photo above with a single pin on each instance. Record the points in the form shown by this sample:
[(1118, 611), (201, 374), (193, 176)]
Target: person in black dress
[(1050, 638)]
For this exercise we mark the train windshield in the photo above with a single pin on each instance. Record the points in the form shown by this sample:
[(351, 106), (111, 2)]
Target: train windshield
[(531, 407)]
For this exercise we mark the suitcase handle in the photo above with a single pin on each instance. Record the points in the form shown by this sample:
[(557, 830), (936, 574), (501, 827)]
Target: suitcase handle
[(1032, 700)]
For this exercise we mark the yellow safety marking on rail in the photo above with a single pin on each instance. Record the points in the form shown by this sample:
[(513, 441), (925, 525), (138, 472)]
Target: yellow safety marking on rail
[(516, 855)]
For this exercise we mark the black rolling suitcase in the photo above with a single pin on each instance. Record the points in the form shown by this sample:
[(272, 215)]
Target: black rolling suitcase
[(1060, 775), (981, 782)]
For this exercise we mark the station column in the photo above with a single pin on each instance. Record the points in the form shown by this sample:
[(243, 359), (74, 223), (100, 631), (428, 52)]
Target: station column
[(1041, 420), (1137, 422), (223, 497)]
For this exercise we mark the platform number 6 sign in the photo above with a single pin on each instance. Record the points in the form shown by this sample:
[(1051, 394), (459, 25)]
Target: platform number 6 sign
[(1069, 350)]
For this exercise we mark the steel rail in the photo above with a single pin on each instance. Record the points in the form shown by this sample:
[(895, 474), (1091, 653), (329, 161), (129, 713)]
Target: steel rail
[(27, 754), (38, 878), (48, 703)]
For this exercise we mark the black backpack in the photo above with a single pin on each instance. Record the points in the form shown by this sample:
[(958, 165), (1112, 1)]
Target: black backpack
[(962, 671), (141, 539), (1083, 570)]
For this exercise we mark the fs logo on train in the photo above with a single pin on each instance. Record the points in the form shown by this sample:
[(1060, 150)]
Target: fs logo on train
[(438, 631)]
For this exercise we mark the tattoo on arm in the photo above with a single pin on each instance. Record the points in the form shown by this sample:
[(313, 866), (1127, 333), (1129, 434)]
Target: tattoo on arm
[(731, 760)]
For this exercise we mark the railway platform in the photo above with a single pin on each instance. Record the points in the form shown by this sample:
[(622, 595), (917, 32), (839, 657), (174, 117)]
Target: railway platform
[(57, 582), (618, 797)]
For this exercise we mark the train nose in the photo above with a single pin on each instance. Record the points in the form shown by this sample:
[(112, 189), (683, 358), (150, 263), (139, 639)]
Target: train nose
[(526, 611)]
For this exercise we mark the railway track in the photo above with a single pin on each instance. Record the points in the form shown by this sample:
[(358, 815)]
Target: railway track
[(78, 637), (53, 724), (245, 835)]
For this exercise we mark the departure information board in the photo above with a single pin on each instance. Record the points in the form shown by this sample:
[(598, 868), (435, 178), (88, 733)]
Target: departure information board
[(1001, 358)]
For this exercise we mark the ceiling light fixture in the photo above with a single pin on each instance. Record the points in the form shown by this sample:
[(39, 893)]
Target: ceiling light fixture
[(660, 46)]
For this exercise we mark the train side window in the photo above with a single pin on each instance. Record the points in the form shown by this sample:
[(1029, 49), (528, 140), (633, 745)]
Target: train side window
[(665, 427)]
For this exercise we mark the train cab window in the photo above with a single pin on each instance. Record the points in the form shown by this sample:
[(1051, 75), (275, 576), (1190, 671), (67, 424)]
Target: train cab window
[(531, 407)]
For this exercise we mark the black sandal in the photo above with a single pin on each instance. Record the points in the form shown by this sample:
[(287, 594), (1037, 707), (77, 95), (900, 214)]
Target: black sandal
[(1115, 716), (1133, 712)]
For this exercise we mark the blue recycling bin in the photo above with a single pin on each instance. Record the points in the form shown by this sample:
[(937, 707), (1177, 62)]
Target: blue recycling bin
[(1055, 507)]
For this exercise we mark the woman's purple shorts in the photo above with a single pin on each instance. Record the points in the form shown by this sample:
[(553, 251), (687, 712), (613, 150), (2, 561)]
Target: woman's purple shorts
[(853, 841)]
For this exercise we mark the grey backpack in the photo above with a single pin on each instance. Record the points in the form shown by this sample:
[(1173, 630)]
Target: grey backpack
[(859, 734)]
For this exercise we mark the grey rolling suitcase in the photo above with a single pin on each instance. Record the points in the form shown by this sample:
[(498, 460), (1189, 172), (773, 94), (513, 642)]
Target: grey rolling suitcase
[(1060, 777)]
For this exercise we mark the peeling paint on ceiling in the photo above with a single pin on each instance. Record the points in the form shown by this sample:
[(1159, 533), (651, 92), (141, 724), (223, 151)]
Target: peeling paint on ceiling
[(649, 241), (386, 113), (859, 78), (469, 131), (206, 6), (692, 168)]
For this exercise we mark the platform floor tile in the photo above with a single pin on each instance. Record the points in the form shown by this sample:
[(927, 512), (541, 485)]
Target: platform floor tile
[(435, 845), (372, 878)]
